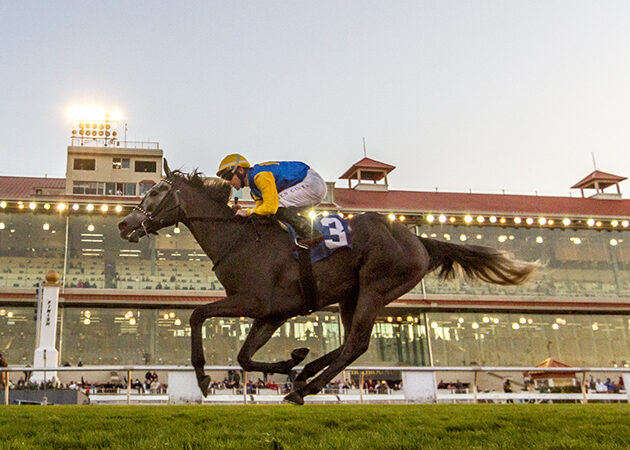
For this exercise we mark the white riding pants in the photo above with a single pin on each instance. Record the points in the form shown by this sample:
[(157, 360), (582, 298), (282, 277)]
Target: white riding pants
[(307, 193)]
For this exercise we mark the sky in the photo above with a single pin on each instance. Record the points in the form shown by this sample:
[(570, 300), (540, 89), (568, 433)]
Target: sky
[(488, 96)]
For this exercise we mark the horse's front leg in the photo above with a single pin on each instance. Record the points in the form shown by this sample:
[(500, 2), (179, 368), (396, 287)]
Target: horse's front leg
[(258, 336), (233, 306)]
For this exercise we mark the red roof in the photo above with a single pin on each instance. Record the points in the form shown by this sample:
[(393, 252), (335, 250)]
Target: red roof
[(24, 187), (369, 165), (550, 363), (602, 178), (435, 202)]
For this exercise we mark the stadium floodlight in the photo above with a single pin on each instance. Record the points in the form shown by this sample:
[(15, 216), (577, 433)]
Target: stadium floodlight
[(3, 204), (46, 226), (452, 219), (566, 222), (20, 205), (614, 242), (517, 220), (2, 225), (529, 221), (539, 239), (61, 207), (312, 214), (390, 217), (104, 208), (32, 206), (625, 223), (90, 227), (542, 221), (75, 207), (493, 219), (118, 208), (430, 218), (90, 207), (468, 219), (590, 222), (402, 218), (481, 219), (442, 218), (503, 220), (614, 223)]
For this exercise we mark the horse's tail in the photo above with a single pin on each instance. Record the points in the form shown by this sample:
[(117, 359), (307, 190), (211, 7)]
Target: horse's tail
[(478, 262)]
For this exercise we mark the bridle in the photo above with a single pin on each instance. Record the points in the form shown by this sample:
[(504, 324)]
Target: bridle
[(151, 217)]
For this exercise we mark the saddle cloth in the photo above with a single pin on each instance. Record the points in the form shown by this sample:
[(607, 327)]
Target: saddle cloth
[(336, 233)]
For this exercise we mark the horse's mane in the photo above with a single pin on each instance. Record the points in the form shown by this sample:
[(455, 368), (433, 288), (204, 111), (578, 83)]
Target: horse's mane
[(215, 188)]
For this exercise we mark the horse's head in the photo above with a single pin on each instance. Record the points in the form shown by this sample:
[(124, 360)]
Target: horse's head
[(160, 207)]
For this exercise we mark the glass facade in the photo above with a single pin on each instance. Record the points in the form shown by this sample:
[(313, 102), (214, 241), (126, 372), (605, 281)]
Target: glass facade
[(86, 250), (574, 263), (100, 336)]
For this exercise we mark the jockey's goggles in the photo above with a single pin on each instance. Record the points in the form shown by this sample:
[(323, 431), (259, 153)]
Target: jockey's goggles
[(228, 173)]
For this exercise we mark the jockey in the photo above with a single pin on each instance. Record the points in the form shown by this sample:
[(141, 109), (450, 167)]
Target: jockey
[(278, 187)]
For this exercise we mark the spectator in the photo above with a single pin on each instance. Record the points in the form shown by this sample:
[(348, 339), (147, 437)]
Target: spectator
[(507, 388), (600, 387)]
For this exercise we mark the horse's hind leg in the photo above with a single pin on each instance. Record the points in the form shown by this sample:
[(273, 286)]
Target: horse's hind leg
[(312, 368), (355, 345), (258, 336)]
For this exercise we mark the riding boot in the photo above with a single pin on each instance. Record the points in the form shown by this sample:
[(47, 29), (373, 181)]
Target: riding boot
[(307, 235)]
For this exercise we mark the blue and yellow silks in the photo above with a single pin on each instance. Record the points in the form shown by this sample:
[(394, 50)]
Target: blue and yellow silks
[(267, 179)]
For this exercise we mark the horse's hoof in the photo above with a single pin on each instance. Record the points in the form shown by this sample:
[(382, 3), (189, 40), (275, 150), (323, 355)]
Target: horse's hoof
[(298, 385), (204, 385), (299, 354), (294, 398)]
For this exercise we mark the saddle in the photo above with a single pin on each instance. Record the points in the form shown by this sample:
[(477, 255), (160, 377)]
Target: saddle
[(336, 235)]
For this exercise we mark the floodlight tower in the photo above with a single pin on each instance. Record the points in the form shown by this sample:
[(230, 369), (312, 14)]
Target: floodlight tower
[(95, 128)]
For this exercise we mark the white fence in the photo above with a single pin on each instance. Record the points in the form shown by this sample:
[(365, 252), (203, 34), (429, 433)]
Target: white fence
[(419, 386)]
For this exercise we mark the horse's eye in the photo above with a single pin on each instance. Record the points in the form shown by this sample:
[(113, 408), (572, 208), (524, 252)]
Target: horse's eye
[(153, 193)]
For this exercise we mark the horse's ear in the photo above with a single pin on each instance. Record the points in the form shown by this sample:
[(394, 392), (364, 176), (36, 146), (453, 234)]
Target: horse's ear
[(167, 171)]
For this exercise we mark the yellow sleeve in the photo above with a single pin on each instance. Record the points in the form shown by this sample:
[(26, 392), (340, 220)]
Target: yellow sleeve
[(270, 202)]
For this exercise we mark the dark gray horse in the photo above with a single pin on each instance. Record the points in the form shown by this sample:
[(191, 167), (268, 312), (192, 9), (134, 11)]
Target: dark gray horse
[(254, 262)]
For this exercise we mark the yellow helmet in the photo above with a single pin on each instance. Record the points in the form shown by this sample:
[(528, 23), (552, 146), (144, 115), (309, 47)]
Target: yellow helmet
[(230, 163)]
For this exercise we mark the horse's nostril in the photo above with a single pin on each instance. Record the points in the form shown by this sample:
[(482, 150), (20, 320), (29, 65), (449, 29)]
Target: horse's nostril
[(122, 225)]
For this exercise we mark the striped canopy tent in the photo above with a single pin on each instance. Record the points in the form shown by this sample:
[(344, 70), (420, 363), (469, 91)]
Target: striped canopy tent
[(541, 375)]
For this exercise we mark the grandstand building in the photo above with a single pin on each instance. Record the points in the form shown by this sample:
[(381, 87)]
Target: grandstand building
[(125, 303)]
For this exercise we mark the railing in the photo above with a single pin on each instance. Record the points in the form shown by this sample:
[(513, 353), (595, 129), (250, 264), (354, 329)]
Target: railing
[(361, 396)]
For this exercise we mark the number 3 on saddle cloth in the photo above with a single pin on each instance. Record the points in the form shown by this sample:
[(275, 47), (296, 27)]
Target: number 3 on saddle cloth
[(336, 235)]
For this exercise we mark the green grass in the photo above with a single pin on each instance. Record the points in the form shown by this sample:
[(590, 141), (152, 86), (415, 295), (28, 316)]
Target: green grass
[(317, 426)]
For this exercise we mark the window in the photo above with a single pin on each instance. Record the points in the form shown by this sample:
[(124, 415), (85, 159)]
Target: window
[(84, 164), (120, 163), (88, 188), (146, 166), (120, 189), (145, 186)]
